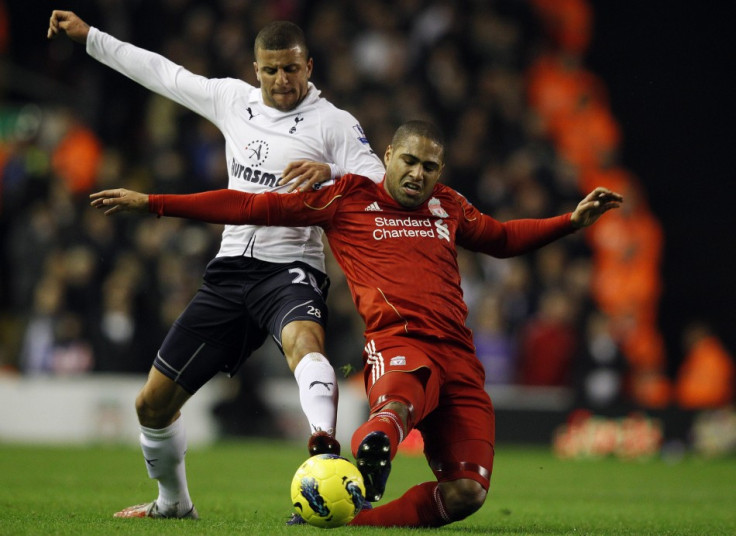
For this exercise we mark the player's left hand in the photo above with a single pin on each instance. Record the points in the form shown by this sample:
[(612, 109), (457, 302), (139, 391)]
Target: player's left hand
[(67, 22), (304, 174), (594, 205), (119, 200)]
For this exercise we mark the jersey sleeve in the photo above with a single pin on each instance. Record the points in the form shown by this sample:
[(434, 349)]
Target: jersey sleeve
[(348, 147), (158, 74), (480, 232), (301, 209)]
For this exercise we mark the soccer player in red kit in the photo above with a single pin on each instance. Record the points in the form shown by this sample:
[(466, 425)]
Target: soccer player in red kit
[(396, 243)]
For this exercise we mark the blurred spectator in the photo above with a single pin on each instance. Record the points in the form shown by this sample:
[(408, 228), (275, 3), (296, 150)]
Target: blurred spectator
[(707, 377), (55, 341), (380, 50), (39, 339), (568, 23), (494, 346), (530, 128), (558, 86), (32, 232), (601, 367), (76, 157), (627, 284), (548, 343), (117, 330), (513, 278), (588, 137)]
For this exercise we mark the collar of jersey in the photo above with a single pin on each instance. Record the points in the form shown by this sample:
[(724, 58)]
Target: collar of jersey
[(311, 98), (386, 198)]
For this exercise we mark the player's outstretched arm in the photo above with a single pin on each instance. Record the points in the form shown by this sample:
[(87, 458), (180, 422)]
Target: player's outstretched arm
[(119, 200), (66, 21), (594, 205)]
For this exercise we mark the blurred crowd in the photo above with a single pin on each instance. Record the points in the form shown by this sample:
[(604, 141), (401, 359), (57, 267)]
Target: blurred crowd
[(529, 129)]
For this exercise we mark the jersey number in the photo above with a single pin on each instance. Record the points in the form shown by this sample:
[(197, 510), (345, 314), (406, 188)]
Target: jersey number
[(301, 277)]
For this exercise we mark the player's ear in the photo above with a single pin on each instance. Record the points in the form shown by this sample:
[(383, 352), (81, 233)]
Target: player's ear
[(258, 74), (387, 155), (310, 66)]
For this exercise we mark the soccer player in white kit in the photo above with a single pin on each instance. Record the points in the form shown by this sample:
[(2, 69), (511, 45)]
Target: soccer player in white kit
[(264, 280)]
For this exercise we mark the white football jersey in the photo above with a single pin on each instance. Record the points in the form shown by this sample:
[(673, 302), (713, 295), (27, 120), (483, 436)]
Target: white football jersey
[(259, 141)]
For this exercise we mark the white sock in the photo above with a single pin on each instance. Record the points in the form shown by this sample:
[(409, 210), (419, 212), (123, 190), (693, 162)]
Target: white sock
[(164, 450), (317, 391)]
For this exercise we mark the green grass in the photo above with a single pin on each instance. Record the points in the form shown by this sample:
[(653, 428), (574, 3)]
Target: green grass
[(242, 488)]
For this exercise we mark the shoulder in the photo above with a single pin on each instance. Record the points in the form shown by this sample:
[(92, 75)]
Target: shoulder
[(454, 202), (230, 94), (343, 195), (330, 110), (335, 124), (449, 194), (235, 86), (332, 116), (351, 182), (351, 186)]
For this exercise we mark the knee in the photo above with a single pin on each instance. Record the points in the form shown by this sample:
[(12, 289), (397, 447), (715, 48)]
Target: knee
[(160, 400), (153, 415), (462, 497), (147, 414)]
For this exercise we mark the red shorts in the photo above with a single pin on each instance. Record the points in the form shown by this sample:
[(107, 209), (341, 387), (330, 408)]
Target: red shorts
[(455, 416)]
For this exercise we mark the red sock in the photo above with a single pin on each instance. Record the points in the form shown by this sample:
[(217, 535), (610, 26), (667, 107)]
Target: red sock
[(420, 506), (385, 421)]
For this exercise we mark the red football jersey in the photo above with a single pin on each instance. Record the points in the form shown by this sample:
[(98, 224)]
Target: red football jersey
[(401, 264)]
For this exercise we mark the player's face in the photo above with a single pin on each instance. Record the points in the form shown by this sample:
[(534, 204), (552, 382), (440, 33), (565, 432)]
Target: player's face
[(283, 75), (413, 167)]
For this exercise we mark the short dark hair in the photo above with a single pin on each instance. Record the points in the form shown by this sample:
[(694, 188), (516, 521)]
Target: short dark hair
[(418, 127), (280, 35)]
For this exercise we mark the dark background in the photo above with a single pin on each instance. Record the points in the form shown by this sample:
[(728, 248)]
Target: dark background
[(669, 67), (669, 70)]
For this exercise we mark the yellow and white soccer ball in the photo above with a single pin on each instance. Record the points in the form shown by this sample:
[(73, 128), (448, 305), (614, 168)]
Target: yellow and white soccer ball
[(327, 491)]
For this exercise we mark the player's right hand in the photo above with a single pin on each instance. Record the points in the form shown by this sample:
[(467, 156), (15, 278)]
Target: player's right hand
[(119, 200), (69, 23), (302, 175)]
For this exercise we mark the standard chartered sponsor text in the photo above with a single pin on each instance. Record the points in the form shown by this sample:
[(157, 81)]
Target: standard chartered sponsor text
[(402, 222), (402, 228)]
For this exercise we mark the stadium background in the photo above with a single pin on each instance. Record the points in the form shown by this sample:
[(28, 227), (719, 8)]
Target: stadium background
[(664, 66), (665, 78)]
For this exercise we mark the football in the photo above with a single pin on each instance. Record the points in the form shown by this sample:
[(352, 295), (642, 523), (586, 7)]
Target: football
[(327, 491)]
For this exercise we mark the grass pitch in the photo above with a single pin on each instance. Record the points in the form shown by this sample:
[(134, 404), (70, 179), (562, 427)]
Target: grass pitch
[(243, 488)]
